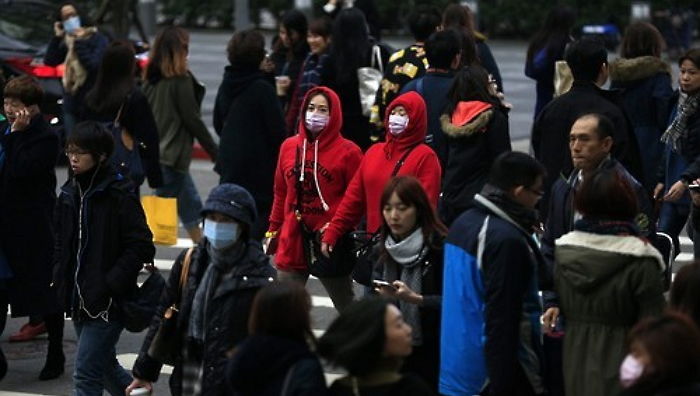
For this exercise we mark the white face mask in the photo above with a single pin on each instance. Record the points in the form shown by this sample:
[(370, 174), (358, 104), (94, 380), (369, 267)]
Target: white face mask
[(315, 122), (397, 124), (71, 24), (630, 371)]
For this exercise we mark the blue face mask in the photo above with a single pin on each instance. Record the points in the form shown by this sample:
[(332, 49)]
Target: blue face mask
[(221, 235), (71, 24)]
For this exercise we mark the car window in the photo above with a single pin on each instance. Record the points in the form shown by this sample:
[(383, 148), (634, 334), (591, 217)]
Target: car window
[(31, 23)]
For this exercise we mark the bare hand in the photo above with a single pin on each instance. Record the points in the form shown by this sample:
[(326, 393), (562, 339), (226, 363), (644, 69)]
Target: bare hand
[(326, 249), (549, 319), (405, 293), (283, 83), (675, 192), (80, 32), (138, 383), (22, 119), (58, 29), (695, 194), (658, 190)]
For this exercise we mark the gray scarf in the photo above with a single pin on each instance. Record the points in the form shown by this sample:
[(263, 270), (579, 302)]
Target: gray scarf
[(407, 256), (221, 262), (676, 133)]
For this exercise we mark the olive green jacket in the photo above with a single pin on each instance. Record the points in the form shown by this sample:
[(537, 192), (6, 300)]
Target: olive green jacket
[(176, 104), (606, 283)]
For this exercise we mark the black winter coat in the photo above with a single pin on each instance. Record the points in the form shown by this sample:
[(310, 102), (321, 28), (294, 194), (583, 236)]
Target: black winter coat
[(115, 243), (550, 132), (27, 199), (265, 365), (137, 118), (89, 53), (645, 89), (473, 145), (227, 322), (249, 120)]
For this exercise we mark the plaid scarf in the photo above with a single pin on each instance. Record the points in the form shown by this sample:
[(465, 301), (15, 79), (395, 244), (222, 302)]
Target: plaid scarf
[(677, 131)]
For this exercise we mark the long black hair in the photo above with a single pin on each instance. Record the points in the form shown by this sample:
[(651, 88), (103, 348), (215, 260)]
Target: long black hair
[(555, 32), (471, 83), (350, 43), (355, 340), (115, 78)]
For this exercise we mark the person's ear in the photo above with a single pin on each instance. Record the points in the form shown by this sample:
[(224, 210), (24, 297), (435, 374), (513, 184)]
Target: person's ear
[(608, 143)]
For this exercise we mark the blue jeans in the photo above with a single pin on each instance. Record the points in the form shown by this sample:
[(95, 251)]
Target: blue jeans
[(96, 365), (672, 219), (179, 184)]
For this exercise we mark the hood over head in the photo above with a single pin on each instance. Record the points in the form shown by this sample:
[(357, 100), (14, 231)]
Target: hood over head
[(468, 119), (633, 69), (335, 120), (587, 260), (417, 120)]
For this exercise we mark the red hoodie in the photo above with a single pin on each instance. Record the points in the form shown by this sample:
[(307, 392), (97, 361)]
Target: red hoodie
[(330, 161), (365, 190)]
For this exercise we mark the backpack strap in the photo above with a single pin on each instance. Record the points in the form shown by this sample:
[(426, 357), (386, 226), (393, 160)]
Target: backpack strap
[(401, 161)]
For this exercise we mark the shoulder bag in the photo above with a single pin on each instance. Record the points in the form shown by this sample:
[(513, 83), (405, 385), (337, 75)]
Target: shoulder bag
[(166, 345), (137, 310), (369, 79)]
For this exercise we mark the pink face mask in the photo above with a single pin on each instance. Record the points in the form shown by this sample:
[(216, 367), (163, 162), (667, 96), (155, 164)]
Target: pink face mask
[(630, 371), (315, 122), (397, 124)]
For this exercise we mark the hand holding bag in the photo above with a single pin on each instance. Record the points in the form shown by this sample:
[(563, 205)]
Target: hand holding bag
[(166, 344), (137, 310), (161, 216)]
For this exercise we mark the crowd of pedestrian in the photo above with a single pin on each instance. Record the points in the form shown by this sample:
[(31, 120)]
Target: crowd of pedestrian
[(485, 271)]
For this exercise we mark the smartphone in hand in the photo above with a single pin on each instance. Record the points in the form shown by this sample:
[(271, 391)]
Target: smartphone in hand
[(383, 283)]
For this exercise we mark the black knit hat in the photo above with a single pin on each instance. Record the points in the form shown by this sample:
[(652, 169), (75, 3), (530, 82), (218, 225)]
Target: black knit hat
[(233, 201)]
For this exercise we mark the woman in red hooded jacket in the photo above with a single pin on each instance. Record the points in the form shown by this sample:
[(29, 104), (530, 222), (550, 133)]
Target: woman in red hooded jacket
[(314, 169), (403, 153)]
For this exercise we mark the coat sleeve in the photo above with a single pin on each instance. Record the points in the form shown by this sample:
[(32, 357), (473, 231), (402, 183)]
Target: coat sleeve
[(32, 160), (222, 105), (190, 113), (429, 174), (648, 289), (136, 246), (498, 135), (143, 126), (90, 51), (505, 283), (56, 52), (279, 192), (489, 63), (145, 367), (351, 208)]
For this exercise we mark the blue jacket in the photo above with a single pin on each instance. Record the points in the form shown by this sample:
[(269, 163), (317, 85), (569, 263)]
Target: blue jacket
[(490, 313)]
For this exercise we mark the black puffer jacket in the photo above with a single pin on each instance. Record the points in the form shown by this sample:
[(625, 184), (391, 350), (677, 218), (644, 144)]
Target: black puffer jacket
[(227, 321), (266, 365), (115, 242), (476, 134)]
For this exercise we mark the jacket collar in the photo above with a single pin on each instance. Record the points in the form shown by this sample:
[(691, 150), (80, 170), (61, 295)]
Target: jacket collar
[(624, 245), (469, 118), (633, 69)]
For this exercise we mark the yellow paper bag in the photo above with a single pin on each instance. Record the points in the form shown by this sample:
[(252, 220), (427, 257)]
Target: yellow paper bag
[(161, 215)]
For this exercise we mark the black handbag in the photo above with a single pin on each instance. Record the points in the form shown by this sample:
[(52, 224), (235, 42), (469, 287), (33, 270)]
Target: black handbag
[(166, 345), (341, 260), (364, 266), (137, 310)]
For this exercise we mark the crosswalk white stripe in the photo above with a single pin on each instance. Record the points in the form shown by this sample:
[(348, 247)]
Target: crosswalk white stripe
[(167, 265), (684, 257), (685, 241)]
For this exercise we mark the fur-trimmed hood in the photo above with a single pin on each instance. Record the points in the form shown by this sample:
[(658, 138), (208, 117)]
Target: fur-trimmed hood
[(587, 259), (469, 118), (625, 70)]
